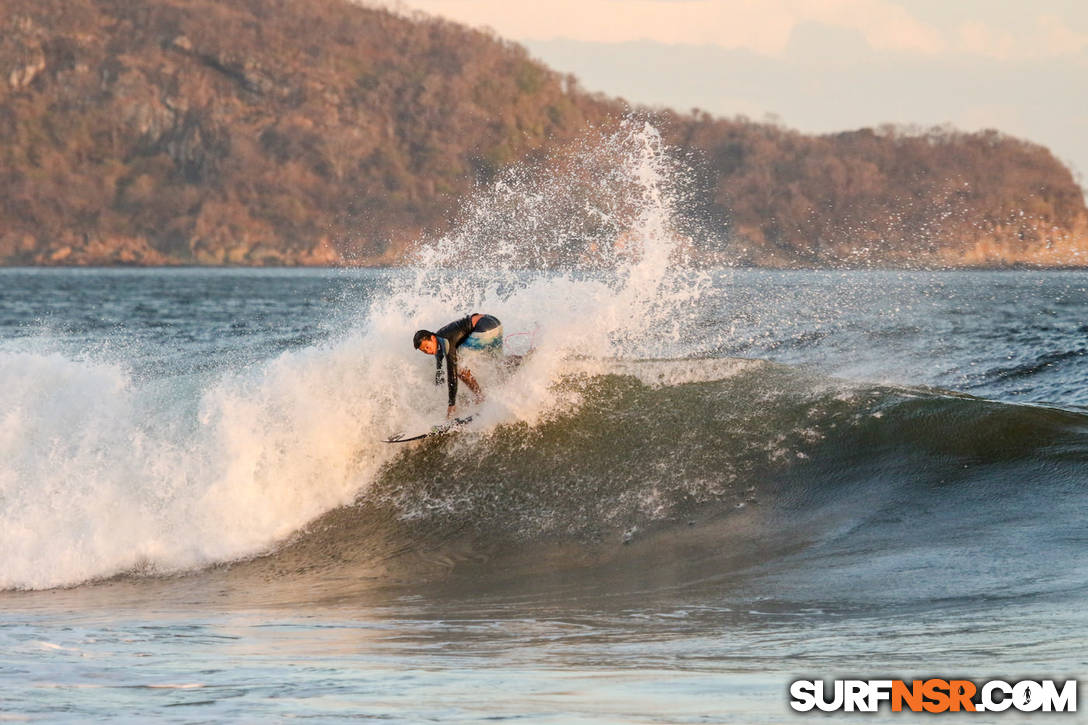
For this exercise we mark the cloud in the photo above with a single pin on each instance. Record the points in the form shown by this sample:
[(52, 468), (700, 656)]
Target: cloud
[(1050, 38), (978, 38), (884, 25), (1057, 37), (765, 27), (760, 26)]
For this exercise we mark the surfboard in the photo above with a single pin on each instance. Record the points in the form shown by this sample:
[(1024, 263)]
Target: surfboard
[(436, 430)]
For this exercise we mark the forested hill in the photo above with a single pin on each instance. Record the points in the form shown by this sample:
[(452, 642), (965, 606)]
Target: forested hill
[(323, 132)]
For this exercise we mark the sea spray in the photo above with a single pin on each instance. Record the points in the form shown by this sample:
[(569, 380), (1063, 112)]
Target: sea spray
[(586, 252), (594, 239)]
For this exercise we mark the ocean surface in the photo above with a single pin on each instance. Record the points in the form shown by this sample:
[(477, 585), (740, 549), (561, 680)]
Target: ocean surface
[(870, 473), (701, 485)]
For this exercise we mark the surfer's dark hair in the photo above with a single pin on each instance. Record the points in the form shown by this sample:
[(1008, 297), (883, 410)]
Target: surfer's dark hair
[(419, 337)]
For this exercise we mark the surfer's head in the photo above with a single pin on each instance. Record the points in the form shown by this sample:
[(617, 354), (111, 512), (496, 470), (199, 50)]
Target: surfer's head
[(425, 341)]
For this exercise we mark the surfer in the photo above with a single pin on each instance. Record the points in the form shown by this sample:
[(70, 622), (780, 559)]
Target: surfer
[(477, 332)]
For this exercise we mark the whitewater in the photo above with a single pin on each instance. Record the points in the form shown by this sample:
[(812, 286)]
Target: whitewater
[(703, 483)]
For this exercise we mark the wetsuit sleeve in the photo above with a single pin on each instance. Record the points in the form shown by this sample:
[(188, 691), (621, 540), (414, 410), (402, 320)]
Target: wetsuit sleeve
[(454, 333), (451, 374)]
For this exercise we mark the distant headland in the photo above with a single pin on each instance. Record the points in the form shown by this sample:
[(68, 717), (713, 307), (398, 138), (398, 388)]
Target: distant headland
[(263, 132)]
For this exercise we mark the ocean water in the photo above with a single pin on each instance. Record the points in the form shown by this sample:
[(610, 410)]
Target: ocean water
[(701, 485)]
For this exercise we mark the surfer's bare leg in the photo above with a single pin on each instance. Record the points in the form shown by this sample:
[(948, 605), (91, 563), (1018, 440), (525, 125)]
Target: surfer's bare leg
[(466, 375)]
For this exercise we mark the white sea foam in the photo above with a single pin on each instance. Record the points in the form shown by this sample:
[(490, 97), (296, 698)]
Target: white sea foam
[(101, 472)]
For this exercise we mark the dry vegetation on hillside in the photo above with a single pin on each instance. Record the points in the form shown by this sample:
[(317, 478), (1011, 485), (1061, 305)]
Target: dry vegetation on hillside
[(319, 132)]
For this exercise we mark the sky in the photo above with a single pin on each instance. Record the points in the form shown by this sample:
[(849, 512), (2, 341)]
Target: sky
[(821, 65)]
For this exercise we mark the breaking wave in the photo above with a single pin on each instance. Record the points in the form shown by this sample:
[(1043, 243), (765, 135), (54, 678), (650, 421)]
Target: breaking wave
[(104, 470)]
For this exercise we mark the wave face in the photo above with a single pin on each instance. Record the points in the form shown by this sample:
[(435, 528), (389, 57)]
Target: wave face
[(758, 468), (636, 451)]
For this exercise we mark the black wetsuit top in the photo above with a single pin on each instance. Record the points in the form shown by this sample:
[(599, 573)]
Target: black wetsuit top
[(453, 334)]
